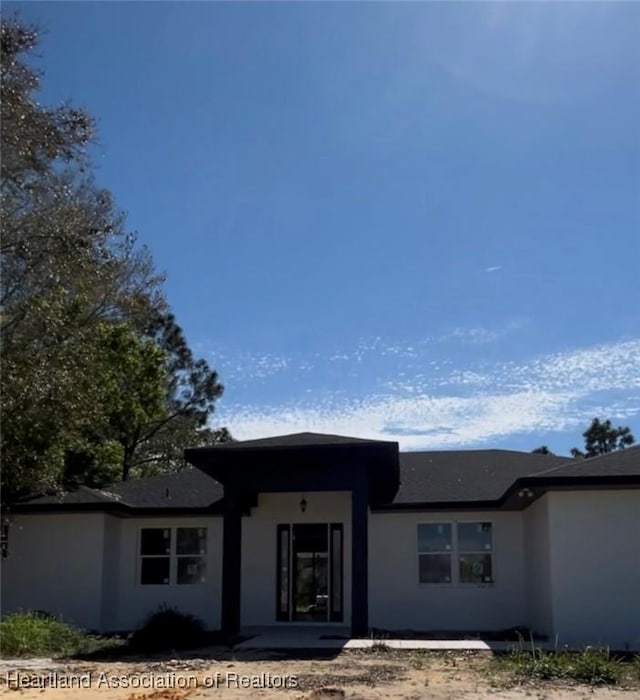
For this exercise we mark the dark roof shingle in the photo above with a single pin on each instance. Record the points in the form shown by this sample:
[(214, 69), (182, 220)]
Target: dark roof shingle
[(466, 475), (436, 477), (189, 488), (624, 462), (83, 494)]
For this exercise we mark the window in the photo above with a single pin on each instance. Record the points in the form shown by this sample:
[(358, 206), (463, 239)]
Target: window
[(155, 551), (459, 552), (191, 546), (434, 552), (173, 555), (475, 548)]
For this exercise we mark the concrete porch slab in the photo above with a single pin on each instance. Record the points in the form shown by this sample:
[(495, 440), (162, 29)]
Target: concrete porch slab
[(337, 639)]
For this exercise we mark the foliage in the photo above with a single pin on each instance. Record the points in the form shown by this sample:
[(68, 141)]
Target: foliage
[(131, 374), (40, 634), (191, 392), (98, 379), (168, 629), (542, 450), (601, 437), (591, 665)]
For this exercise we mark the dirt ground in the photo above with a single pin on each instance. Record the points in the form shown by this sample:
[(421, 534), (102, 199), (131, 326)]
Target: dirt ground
[(353, 675)]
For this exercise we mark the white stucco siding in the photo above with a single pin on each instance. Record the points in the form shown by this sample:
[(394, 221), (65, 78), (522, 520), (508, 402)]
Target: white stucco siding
[(595, 567), (55, 564), (397, 600), (538, 567), (135, 601), (259, 532)]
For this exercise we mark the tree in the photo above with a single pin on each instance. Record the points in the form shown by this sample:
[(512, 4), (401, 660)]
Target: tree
[(96, 372), (602, 437), (542, 450), (68, 266), (192, 390), (131, 383)]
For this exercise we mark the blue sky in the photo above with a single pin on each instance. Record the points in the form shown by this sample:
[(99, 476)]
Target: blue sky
[(406, 221)]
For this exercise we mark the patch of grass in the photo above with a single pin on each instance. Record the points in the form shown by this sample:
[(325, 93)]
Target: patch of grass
[(167, 629), (40, 634), (591, 666), (418, 658), (635, 665)]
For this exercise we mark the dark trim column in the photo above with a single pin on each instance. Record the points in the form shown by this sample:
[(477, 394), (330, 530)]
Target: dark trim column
[(360, 558), (231, 564)]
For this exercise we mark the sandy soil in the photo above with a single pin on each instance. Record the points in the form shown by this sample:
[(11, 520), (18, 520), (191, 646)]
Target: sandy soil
[(348, 676)]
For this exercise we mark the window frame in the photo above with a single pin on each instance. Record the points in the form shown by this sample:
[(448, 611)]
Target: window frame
[(164, 555), (475, 552), (447, 552), (455, 553), (172, 555)]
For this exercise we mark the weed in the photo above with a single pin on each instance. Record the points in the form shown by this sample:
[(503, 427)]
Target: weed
[(37, 633), (591, 665)]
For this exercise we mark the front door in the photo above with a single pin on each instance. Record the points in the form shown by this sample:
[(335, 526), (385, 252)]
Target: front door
[(309, 566)]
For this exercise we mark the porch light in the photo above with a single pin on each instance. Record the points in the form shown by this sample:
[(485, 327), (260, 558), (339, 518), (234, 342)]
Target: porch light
[(303, 504), (525, 493)]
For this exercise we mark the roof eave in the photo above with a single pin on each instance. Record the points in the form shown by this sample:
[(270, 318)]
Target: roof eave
[(119, 509)]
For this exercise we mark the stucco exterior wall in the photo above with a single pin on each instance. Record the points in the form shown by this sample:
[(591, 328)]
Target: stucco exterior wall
[(595, 567), (537, 563), (135, 601), (397, 600), (110, 573), (258, 582), (569, 565), (55, 564)]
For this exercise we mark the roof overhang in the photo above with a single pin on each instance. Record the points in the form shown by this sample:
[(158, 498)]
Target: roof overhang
[(522, 493), (122, 510), (319, 467)]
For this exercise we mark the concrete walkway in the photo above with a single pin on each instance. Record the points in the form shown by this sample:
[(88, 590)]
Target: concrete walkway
[(331, 638)]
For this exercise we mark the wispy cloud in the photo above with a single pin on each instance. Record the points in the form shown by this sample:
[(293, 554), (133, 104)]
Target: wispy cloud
[(442, 406), (242, 368), (494, 268), (481, 335)]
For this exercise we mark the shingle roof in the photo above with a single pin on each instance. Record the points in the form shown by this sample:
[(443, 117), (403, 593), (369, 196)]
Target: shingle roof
[(620, 463), (189, 488), (82, 494), (466, 475), (436, 477)]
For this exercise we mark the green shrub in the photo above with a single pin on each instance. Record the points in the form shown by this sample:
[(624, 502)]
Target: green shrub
[(167, 629), (593, 666), (39, 634)]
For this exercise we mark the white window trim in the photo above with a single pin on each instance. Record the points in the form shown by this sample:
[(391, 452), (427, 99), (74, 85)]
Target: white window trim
[(455, 555), (173, 556)]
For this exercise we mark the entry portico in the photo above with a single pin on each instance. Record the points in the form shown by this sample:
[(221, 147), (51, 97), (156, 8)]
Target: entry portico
[(306, 506)]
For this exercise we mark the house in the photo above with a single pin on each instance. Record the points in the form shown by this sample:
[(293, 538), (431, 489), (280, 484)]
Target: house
[(321, 529)]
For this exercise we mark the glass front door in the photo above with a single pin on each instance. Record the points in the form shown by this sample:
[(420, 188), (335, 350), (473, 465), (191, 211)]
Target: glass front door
[(311, 592), (309, 572)]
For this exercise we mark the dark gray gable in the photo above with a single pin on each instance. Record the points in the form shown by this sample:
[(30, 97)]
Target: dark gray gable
[(292, 440)]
